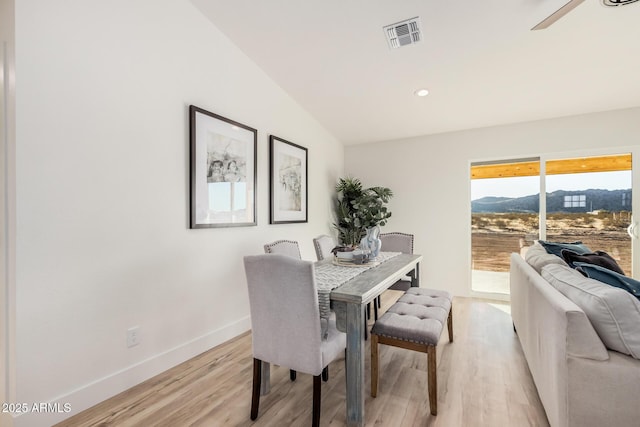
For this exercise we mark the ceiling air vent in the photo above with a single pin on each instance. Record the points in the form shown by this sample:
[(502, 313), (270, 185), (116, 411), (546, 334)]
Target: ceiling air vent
[(617, 2), (403, 33)]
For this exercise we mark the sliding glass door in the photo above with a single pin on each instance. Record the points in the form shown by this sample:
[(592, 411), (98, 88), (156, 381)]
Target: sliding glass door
[(504, 218), (515, 202), (589, 199)]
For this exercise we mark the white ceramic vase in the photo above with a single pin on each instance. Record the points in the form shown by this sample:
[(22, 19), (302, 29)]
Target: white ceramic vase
[(371, 242)]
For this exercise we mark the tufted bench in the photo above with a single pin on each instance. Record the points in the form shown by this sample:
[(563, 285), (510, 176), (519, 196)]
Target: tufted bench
[(414, 322)]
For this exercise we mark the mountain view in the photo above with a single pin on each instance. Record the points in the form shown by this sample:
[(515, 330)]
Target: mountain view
[(593, 200)]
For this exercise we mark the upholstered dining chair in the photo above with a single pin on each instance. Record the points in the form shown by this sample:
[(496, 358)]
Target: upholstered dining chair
[(288, 248), (323, 245), (399, 242), (283, 247), (285, 322)]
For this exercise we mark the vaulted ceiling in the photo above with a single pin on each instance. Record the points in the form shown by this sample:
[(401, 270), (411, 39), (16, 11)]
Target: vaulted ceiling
[(480, 61)]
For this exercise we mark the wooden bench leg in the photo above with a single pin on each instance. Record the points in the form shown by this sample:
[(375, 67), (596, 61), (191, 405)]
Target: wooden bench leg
[(433, 381), (450, 324), (374, 365)]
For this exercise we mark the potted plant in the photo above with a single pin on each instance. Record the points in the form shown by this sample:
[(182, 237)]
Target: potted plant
[(359, 209)]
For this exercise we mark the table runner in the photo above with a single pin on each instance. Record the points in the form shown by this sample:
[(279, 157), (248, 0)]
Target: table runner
[(329, 276)]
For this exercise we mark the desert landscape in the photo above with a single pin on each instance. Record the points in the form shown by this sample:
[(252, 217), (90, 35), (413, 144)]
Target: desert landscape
[(496, 235)]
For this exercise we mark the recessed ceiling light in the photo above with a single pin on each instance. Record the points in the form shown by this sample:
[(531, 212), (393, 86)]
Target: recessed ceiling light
[(421, 92)]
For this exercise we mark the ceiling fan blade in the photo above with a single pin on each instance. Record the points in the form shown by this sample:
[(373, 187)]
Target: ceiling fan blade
[(572, 4)]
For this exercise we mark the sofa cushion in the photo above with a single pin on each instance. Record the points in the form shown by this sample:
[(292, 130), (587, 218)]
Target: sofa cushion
[(600, 258), (613, 312), (556, 248), (609, 277), (537, 257)]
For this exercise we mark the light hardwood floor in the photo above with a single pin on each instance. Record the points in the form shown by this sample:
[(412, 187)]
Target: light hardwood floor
[(483, 380)]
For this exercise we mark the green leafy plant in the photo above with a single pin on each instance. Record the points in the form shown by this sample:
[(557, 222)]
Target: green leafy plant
[(358, 209)]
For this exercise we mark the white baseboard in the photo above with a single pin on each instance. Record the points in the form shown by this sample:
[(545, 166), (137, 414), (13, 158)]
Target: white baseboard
[(104, 388)]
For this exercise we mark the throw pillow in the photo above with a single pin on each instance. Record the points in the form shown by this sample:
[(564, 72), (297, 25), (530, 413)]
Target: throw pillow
[(556, 248), (613, 313), (600, 258), (537, 257), (609, 277)]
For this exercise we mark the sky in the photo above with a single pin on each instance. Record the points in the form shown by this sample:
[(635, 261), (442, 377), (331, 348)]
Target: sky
[(528, 185)]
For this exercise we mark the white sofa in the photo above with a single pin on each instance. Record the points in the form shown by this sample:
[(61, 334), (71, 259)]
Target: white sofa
[(580, 382)]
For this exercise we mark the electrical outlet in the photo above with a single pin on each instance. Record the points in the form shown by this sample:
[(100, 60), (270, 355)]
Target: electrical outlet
[(133, 336)]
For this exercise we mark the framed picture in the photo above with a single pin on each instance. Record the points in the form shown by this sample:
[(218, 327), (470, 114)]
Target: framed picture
[(288, 172), (223, 171)]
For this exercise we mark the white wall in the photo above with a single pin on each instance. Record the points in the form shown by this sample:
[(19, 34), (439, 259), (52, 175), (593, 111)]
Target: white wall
[(102, 193), (430, 178)]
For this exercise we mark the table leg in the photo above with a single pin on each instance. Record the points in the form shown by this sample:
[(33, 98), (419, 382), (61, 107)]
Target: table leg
[(355, 365), (265, 382), (415, 278)]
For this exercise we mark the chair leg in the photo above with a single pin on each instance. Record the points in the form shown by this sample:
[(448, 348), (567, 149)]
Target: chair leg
[(255, 397), (379, 302), (374, 365), (433, 381), (325, 374), (315, 422), (450, 324), (375, 310), (292, 375)]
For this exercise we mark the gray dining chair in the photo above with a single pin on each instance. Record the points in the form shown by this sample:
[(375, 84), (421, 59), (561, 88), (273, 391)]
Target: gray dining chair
[(285, 322), (283, 247), (288, 248), (323, 245), (399, 242)]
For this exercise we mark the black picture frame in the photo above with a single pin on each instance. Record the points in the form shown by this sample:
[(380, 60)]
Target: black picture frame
[(288, 174), (223, 166)]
